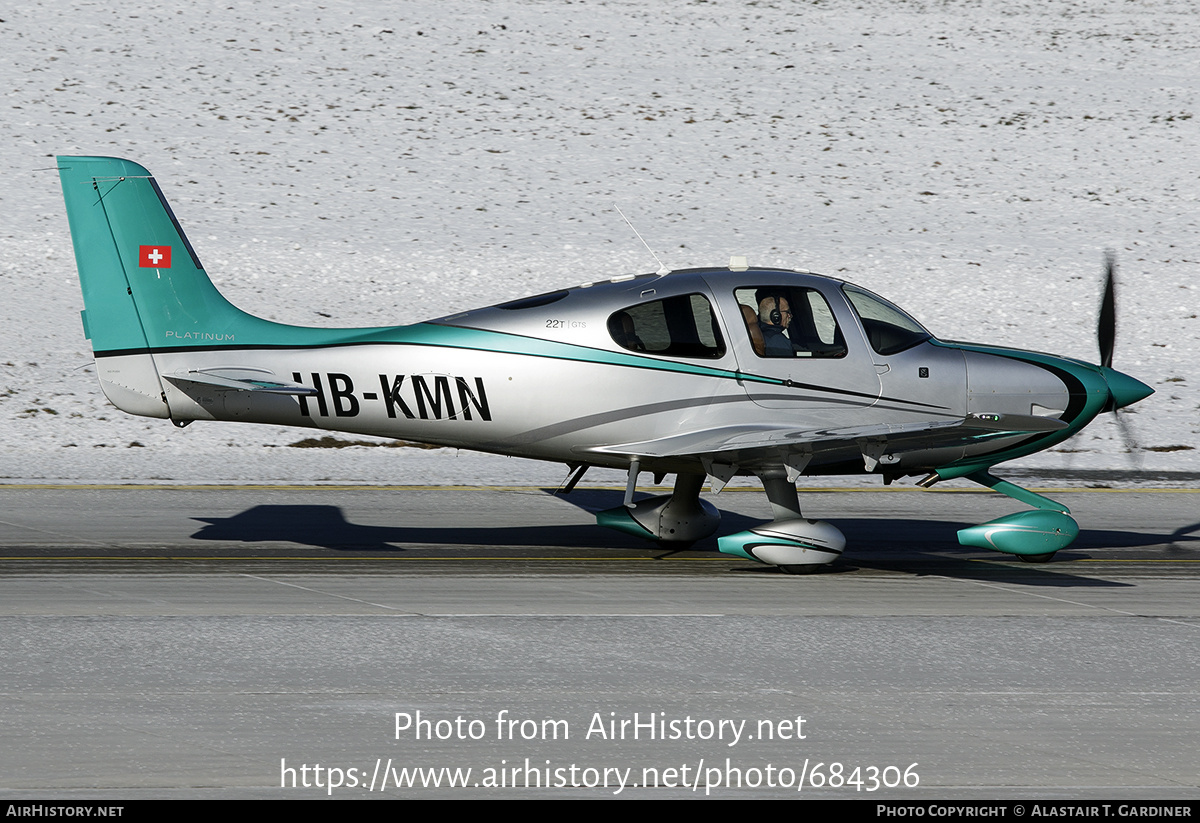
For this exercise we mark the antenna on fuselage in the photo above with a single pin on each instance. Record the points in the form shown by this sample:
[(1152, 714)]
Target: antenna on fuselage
[(662, 269)]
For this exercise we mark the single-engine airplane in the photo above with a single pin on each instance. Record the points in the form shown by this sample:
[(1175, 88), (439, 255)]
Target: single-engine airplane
[(701, 373)]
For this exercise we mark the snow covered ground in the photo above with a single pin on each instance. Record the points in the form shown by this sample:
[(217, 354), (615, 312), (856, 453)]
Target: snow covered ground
[(360, 163)]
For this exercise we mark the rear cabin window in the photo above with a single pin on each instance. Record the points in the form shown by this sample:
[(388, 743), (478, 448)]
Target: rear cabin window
[(789, 322), (682, 326)]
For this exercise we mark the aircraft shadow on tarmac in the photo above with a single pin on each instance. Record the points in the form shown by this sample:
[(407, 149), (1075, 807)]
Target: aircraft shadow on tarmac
[(916, 546), (1184, 534), (327, 527)]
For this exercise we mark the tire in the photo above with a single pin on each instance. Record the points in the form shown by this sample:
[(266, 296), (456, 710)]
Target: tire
[(801, 568)]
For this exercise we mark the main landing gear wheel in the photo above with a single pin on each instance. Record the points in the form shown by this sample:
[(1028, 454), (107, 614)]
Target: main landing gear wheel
[(801, 568), (791, 541), (675, 545), (673, 521), (1037, 558)]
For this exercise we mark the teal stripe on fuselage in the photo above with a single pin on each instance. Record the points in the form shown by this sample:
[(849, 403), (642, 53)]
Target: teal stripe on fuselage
[(277, 336)]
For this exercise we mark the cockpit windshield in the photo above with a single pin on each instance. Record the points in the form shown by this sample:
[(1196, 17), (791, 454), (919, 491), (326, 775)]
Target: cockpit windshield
[(889, 329)]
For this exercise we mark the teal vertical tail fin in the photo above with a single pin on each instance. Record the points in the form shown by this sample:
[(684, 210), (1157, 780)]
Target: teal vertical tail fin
[(146, 297), (144, 290), (143, 286)]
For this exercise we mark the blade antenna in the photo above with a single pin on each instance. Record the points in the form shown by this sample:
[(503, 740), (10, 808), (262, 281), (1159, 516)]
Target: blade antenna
[(662, 269)]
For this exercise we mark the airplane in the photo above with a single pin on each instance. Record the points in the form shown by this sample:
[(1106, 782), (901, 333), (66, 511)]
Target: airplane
[(705, 374)]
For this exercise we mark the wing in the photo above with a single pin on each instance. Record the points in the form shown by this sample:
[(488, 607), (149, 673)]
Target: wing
[(724, 448)]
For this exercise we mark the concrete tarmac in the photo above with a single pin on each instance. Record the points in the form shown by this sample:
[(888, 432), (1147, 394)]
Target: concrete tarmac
[(227, 642)]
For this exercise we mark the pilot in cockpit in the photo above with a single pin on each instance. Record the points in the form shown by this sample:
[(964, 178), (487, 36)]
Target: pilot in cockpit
[(774, 317)]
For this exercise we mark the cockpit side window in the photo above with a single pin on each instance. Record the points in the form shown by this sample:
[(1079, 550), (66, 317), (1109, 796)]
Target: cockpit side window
[(681, 326), (789, 322), (888, 328)]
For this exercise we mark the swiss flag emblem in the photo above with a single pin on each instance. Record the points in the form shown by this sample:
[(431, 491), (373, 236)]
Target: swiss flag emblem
[(154, 257)]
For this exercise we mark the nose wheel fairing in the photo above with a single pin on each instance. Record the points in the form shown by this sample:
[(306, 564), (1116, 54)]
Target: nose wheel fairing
[(1029, 534)]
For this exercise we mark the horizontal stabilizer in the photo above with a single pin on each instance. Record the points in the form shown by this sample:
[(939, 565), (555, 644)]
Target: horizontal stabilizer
[(242, 379)]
